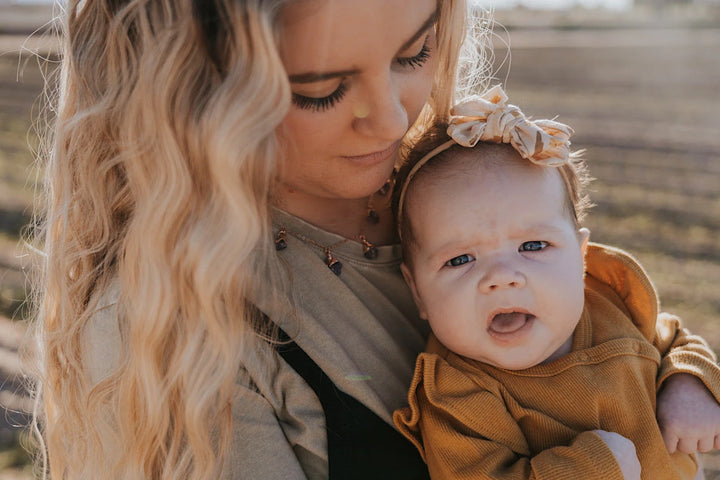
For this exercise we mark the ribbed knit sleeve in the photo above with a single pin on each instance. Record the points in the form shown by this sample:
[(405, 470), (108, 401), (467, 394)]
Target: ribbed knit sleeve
[(466, 432), (684, 352)]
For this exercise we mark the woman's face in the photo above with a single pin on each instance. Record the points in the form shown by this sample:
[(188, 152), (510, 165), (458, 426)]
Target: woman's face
[(360, 73)]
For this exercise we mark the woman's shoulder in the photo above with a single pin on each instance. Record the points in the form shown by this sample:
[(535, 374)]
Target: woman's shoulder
[(105, 337)]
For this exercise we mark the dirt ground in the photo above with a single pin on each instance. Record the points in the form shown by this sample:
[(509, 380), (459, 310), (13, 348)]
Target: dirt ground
[(644, 103)]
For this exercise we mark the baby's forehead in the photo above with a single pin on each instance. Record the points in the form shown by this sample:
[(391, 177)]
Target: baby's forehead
[(472, 166), (494, 167)]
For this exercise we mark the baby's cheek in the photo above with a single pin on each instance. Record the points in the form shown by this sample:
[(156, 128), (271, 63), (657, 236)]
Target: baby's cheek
[(562, 296)]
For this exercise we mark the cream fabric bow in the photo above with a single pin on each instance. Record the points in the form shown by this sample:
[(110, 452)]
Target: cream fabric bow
[(487, 117)]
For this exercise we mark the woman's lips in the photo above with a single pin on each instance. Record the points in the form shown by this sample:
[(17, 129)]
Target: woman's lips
[(375, 157), (507, 326)]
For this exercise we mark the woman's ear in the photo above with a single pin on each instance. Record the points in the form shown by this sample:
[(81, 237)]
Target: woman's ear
[(583, 238), (407, 274)]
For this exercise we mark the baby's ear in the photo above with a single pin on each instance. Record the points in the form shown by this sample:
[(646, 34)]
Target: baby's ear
[(407, 274), (583, 238)]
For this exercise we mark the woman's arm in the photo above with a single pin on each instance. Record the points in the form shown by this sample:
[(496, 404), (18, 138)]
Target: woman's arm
[(278, 421), (260, 448)]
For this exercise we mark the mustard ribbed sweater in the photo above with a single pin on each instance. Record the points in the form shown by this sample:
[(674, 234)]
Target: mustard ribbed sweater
[(474, 421)]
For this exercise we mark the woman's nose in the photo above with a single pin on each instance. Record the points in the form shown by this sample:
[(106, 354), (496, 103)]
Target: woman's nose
[(500, 276), (381, 113)]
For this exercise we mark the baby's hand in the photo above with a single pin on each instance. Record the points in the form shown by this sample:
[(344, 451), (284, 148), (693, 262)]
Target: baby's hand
[(624, 451), (688, 415)]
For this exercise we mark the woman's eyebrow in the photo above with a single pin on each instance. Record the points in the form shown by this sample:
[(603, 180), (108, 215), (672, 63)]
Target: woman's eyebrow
[(427, 24), (312, 77)]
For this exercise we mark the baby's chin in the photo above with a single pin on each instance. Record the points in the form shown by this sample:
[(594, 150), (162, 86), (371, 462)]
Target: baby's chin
[(522, 358), (514, 364), (515, 359)]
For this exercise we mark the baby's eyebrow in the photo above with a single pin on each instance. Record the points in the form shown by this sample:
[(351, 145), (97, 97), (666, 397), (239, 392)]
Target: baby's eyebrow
[(458, 245), (446, 251), (539, 229)]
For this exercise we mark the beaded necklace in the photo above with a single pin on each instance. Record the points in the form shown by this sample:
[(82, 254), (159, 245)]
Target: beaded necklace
[(370, 251)]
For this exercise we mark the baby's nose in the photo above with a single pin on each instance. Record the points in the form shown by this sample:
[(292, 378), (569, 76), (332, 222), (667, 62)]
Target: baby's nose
[(501, 275)]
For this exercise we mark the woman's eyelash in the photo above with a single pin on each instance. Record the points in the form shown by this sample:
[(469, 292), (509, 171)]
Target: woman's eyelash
[(322, 103), (417, 60)]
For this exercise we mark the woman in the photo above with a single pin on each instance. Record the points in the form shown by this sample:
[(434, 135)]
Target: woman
[(211, 160), (180, 124)]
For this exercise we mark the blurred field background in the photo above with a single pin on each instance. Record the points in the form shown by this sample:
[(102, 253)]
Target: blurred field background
[(641, 88)]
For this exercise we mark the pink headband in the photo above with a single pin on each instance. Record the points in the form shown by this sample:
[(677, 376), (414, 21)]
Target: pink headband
[(488, 118)]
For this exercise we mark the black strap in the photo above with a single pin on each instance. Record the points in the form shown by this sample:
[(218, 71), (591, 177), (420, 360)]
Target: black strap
[(361, 445)]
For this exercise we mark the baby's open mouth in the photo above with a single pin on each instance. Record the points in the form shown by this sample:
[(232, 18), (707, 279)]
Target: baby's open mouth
[(509, 322)]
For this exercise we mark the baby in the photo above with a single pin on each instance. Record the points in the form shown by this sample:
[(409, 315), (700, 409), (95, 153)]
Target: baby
[(547, 351)]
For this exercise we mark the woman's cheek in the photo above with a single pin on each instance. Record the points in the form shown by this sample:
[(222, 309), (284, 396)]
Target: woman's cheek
[(305, 134)]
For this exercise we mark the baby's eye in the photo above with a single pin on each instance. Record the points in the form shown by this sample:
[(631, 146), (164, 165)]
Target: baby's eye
[(533, 246), (460, 260)]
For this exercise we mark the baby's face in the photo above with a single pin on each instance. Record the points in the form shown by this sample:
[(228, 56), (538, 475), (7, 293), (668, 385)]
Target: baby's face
[(498, 270)]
